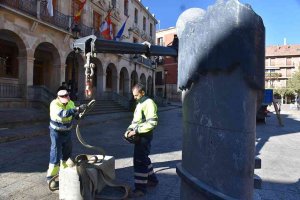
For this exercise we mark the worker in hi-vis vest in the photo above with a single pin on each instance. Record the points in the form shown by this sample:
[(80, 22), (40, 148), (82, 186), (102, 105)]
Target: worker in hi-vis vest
[(140, 132), (62, 112)]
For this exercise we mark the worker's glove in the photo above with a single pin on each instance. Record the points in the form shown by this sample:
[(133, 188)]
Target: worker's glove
[(76, 116), (134, 139), (81, 108)]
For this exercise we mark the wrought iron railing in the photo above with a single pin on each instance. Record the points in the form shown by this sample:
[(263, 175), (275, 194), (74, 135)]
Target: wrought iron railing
[(85, 30), (145, 61), (40, 93), (10, 90), (58, 19), (27, 6)]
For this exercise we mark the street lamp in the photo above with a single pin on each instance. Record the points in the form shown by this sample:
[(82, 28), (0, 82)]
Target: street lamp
[(166, 74), (133, 82), (75, 31), (154, 64), (134, 59)]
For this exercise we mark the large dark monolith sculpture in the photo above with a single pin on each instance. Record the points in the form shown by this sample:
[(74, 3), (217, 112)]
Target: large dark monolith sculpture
[(221, 72)]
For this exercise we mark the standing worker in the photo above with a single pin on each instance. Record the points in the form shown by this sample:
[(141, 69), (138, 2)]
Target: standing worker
[(140, 132), (62, 111)]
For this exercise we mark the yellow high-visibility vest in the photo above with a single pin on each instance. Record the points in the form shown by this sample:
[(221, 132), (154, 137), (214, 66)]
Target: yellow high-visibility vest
[(61, 115), (145, 117)]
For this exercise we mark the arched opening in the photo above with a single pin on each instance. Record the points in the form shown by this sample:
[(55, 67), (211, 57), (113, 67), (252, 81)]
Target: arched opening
[(71, 74), (46, 64), (124, 82), (8, 59), (134, 79), (143, 79), (149, 86), (12, 48), (13, 65), (111, 78)]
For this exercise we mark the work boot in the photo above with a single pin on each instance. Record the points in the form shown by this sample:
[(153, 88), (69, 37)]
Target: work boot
[(136, 193)]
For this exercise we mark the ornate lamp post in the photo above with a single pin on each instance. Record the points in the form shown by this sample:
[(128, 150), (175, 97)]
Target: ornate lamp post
[(154, 65), (134, 59), (75, 31)]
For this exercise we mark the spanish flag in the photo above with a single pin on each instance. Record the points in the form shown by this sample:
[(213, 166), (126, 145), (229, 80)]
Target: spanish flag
[(78, 14), (106, 28)]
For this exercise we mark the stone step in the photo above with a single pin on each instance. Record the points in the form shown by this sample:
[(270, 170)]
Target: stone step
[(15, 116), (105, 106)]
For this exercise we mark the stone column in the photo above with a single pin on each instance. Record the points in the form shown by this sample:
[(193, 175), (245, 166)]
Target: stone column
[(25, 73), (60, 71), (100, 89), (26, 65), (221, 72), (117, 78)]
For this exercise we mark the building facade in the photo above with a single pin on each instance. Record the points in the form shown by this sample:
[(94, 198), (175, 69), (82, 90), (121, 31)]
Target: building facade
[(280, 64), (167, 71), (36, 53)]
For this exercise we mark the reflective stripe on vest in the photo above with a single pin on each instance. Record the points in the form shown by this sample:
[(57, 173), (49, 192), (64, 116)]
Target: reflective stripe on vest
[(57, 108)]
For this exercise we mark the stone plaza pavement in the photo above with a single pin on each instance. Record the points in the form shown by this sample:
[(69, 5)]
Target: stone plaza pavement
[(24, 161)]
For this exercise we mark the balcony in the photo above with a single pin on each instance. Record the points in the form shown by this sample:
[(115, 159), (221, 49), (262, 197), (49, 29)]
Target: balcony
[(144, 61), (279, 66), (273, 76), (38, 10)]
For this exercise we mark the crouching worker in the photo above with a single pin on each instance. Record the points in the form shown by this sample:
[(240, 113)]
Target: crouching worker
[(62, 112), (140, 132)]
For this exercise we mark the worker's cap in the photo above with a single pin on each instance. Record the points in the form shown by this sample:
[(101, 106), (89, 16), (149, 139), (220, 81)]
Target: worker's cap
[(63, 96)]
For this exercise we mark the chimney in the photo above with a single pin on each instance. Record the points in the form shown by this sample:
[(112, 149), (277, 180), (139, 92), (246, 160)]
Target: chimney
[(284, 41)]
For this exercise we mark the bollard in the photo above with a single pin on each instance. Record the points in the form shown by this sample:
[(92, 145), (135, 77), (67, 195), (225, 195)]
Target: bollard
[(221, 72)]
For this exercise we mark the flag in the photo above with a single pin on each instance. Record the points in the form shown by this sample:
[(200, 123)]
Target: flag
[(106, 28), (78, 14), (120, 32), (50, 7)]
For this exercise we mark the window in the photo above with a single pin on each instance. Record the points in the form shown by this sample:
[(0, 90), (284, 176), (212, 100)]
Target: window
[(44, 7), (267, 62), (136, 15), (288, 72), (160, 41), (126, 7), (272, 62), (151, 27), (289, 61), (55, 5), (114, 3), (96, 21), (144, 23), (158, 78)]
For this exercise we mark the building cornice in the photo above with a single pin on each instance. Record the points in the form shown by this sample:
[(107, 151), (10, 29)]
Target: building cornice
[(139, 2)]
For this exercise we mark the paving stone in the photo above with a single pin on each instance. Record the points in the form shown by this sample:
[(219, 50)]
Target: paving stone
[(23, 169)]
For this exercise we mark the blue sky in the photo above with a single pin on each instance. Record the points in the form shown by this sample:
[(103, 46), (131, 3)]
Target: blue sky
[(281, 17)]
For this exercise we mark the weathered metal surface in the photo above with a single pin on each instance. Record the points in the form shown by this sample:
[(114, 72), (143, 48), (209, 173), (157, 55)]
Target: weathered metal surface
[(97, 45), (221, 73)]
